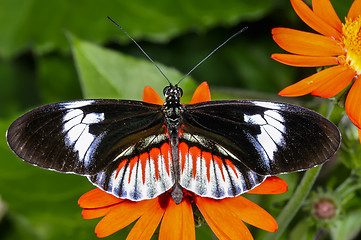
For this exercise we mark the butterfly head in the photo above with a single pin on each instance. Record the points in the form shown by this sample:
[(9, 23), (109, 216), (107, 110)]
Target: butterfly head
[(172, 94)]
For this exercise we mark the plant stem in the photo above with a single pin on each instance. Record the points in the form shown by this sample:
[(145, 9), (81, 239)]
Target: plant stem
[(294, 204)]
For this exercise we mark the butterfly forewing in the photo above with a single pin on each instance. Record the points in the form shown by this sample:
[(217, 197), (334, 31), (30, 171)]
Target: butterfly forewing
[(83, 136), (268, 138)]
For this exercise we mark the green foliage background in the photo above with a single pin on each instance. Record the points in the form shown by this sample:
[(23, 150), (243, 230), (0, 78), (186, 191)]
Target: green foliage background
[(67, 49)]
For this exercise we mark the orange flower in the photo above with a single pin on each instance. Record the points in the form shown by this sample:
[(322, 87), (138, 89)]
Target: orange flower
[(337, 44), (225, 216)]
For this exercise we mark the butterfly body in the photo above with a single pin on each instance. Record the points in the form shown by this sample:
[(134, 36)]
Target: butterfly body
[(172, 110), (138, 150)]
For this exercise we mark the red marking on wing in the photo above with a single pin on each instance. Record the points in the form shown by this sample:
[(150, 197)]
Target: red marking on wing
[(194, 152), (207, 158), (143, 161), (132, 162), (164, 151), (220, 163), (230, 164), (154, 154), (120, 166)]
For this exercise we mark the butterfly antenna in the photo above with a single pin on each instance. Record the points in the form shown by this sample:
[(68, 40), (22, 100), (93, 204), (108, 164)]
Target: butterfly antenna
[(204, 59), (141, 49)]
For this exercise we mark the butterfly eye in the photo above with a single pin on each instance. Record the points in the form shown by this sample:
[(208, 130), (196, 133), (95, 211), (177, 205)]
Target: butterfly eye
[(165, 90), (180, 92)]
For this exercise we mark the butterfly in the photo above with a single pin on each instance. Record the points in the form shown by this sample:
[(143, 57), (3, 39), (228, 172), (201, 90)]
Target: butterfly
[(138, 150)]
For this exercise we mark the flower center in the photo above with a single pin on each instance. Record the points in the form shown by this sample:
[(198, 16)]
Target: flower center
[(351, 42), (325, 209)]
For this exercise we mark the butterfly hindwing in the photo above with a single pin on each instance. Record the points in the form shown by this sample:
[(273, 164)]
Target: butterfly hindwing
[(210, 171), (82, 136), (143, 171), (267, 137)]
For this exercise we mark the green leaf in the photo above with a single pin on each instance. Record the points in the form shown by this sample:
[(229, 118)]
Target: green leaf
[(40, 24), (302, 231), (57, 78), (17, 88), (109, 74), (348, 227), (342, 7)]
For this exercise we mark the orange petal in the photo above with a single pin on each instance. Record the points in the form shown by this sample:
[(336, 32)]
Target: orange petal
[(251, 213), (151, 96), (202, 94), (91, 213), (355, 10), (305, 43), (304, 61), (224, 223), (147, 224), (122, 215), (324, 10), (178, 222), (332, 86), (309, 84), (272, 185), (312, 20), (97, 198), (353, 103)]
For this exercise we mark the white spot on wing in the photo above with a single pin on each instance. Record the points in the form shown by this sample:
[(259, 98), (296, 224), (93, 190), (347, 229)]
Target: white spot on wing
[(83, 143), (272, 129), (93, 118), (267, 143), (275, 114), (276, 120), (73, 134), (254, 119), (77, 104), (270, 139), (270, 105), (71, 114), (76, 127), (276, 124)]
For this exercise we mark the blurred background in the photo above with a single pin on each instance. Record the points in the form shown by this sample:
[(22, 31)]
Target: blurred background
[(59, 50)]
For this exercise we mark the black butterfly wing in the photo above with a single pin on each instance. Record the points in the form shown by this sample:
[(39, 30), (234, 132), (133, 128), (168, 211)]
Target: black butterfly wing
[(252, 139), (84, 136)]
